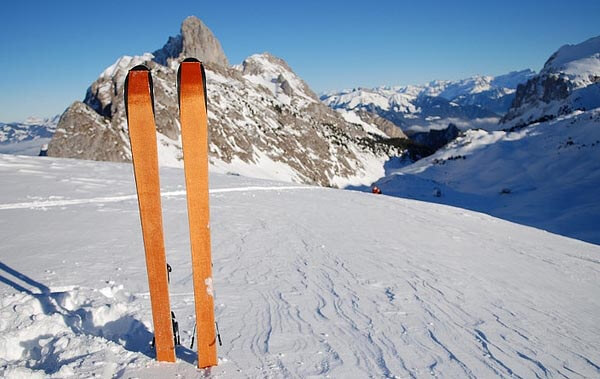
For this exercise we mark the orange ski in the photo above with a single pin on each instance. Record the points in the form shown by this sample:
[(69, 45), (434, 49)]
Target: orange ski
[(194, 135), (139, 105)]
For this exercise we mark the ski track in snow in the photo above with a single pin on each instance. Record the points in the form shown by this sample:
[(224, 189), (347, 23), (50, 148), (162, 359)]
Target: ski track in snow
[(114, 199), (307, 283)]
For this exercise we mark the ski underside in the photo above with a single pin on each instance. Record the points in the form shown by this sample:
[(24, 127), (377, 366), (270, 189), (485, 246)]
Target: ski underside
[(194, 134), (142, 135)]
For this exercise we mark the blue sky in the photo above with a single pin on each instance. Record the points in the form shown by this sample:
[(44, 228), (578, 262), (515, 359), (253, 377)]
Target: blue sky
[(52, 51)]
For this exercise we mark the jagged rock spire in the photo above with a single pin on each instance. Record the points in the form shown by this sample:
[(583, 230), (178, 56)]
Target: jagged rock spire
[(195, 40)]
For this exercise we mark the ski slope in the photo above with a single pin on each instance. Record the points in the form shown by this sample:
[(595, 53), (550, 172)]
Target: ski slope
[(309, 282)]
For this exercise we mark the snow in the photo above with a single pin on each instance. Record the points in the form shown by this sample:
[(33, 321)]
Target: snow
[(263, 167), (271, 76), (551, 169), (353, 118), (579, 62), (382, 98), (308, 282)]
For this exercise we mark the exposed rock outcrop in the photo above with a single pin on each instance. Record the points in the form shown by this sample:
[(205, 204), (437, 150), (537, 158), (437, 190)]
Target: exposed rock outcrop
[(196, 40)]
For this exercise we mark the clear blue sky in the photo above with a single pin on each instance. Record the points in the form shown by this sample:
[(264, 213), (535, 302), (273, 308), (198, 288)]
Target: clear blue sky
[(51, 51)]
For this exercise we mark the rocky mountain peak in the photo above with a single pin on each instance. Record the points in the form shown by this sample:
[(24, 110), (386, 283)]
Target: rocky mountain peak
[(569, 81), (264, 120), (195, 40), (275, 74)]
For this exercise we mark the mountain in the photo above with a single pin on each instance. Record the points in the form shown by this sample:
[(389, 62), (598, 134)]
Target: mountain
[(436, 138), (480, 100), (264, 121), (569, 81), (309, 282), (27, 137)]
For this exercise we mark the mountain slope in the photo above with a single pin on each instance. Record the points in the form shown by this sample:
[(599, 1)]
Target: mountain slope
[(545, 175), (264, 121), (569, 81), (309, 282)]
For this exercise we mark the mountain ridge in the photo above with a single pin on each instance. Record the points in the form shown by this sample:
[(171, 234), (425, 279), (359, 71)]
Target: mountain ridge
[(437, 103), (263, 119), (569, 81)]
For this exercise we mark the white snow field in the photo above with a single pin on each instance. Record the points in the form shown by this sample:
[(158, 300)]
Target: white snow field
[(310, 282)]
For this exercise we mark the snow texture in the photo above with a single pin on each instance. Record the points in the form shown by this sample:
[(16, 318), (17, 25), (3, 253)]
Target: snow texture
[(308, 282)]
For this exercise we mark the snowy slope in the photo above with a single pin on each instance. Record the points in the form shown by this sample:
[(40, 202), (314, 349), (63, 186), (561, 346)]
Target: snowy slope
[(551, 171), (27, 137), (309, 282)]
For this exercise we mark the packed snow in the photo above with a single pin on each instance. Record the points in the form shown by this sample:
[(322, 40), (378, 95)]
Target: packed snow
[(308, 281)]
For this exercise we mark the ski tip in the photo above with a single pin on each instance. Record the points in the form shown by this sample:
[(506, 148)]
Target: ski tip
[(191, 60), (139, 67)]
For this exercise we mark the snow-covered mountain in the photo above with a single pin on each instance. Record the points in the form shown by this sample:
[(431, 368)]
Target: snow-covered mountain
[(570, 80), (27, 137), (545, 175), (309, 282), (477, 100), (264, 121)]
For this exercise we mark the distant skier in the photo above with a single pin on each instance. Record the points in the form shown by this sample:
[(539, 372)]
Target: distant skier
[(376, 190), (44, 150)]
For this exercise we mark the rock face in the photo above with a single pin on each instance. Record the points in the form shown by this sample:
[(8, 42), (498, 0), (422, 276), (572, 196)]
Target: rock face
[(88, 136), (196, 40), (264, 121), (387, 127), (569, 81), (436, 139)]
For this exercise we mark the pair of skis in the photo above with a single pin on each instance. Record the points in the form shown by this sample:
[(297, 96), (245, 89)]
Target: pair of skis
[(139, 105)]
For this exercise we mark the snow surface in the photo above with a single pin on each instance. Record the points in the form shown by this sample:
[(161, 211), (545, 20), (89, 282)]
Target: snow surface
[(308, 282), (580, 62), (546, 175)]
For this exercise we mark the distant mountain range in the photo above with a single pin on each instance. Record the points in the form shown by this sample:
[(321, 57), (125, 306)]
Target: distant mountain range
[(476, 101), (27, 137)]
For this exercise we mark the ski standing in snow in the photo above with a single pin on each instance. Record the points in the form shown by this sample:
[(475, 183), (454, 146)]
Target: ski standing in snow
[(139, 103)]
